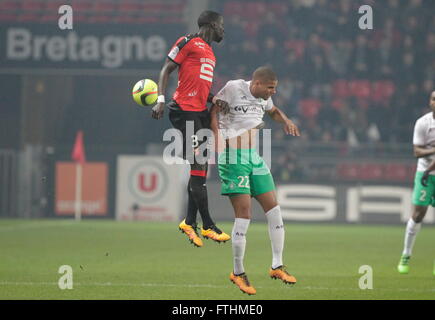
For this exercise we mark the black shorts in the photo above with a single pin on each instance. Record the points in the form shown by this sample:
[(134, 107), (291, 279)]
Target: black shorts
[(189, 122)]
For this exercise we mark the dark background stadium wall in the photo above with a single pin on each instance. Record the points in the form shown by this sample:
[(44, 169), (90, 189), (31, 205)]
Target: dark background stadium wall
[(355, 94)]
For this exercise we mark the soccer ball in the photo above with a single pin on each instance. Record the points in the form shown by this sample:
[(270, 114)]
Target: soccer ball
[(145, 92)]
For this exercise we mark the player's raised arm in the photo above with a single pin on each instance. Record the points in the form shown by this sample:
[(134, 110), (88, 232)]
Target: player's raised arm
[(289, 127), (158, 109)]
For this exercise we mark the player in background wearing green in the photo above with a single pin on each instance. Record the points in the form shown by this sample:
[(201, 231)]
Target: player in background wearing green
[(424, 182), (243, 173)]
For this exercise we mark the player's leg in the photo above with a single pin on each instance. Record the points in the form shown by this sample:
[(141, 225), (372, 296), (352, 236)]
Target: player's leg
[(263, 189), (188, 226), (233, 184), (198, 176), (198, 186), (421, 198), (275, 223), (242, 210)]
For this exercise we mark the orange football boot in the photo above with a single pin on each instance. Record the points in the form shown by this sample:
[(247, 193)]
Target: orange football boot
[(215, 234), (282, 274), (191, 233), (242, 282)]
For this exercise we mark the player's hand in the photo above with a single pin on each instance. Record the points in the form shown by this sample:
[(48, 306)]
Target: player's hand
[(223, 106), (291, 128), (157, 111), (425, 178)]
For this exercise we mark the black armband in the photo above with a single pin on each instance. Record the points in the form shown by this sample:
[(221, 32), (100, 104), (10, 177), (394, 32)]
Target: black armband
[(210, 97)]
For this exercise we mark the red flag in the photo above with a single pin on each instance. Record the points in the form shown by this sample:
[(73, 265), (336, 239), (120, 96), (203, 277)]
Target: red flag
[(78, 153)]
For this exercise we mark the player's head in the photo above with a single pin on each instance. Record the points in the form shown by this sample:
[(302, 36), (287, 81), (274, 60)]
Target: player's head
[(264, 82), (214, 21), (432, 101)]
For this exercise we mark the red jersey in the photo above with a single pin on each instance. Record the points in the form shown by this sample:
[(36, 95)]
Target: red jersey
[(196, 62)]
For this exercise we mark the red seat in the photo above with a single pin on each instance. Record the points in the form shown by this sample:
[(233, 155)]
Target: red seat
[(309, 108), (347, 171), (31, 5), (104, 7), (371, 171), (382, 90), (396, 172), (9, 5), (338, 104), (360, 88), (8, 17), (28, 17), (340, 89)]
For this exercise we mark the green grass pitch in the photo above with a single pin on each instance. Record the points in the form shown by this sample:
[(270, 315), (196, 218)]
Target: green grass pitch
[(150, 260)]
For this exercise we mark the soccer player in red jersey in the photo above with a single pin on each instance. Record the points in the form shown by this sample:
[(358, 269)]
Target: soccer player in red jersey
[(193, 56)]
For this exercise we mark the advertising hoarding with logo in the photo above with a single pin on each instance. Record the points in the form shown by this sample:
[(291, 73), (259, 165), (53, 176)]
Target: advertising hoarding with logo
[(94, 189), (149, 189)]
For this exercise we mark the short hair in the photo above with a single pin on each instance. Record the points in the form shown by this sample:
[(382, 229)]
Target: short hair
[(208, 17), (264, 73)]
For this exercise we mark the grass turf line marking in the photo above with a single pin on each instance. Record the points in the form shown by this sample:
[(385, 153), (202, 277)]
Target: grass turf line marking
[(109, 284)]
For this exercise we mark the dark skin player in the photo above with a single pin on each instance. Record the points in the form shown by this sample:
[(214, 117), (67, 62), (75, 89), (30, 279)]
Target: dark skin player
[(213, 32)]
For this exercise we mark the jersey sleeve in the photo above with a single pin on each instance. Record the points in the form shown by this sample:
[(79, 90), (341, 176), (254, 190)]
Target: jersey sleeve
[(269, 104), (225, 93), (419, 134), (179, 51)]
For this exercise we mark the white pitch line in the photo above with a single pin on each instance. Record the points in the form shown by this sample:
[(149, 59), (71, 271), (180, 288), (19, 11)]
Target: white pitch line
[(25, 226), (110, 284)]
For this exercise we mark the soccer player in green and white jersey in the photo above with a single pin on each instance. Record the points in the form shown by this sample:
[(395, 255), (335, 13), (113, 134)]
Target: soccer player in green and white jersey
[(424, 182), (243, 173)]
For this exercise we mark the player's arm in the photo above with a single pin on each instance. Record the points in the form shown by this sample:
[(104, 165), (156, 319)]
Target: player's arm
[(222, 105), (289, 127), (426, 172), (421, 151), (168, 68), (218, 139)]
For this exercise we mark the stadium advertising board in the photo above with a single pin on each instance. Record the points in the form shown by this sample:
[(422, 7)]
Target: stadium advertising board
[(333, 203), (87, 46), (369, 203), (149, 189), (94, 189)]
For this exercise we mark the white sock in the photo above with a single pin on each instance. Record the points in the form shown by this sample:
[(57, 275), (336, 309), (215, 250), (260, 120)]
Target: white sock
[(412, 228), (276, 234), (238, 239)]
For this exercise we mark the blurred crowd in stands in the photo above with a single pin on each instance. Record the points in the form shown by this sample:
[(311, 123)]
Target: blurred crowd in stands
[(340, 83)]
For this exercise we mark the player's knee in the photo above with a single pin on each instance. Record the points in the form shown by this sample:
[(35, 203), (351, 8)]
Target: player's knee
[(243, 212), (418, 217), (244, 215), (419, 213)]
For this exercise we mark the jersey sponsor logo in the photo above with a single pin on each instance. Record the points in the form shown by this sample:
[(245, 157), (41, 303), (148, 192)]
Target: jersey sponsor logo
[(252, 109), (200, 45), (193, 93), (207, 60)]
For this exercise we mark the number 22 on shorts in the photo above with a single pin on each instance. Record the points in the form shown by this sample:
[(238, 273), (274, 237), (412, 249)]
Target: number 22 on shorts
[(243, 181)]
